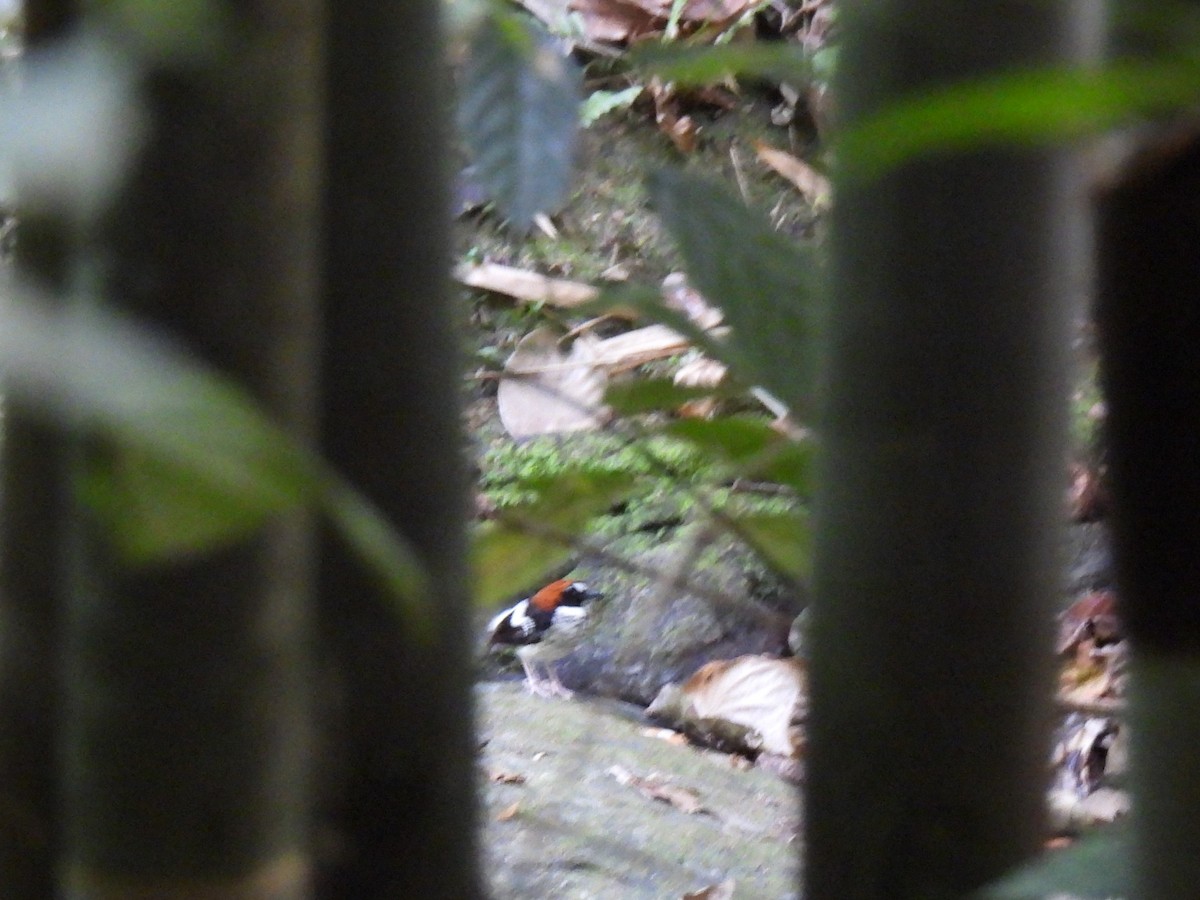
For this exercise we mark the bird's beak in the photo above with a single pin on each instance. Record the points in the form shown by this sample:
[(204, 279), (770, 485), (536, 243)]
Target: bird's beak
[(593, 595)]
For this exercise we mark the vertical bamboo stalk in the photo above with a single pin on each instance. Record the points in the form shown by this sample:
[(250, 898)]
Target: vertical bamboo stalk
[(942, 442), (1149, 281), (34, 504), (186, 736), (403, 816)]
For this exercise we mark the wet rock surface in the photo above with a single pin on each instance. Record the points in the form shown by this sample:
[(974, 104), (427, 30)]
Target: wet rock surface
[(677, 610), (557, 821)]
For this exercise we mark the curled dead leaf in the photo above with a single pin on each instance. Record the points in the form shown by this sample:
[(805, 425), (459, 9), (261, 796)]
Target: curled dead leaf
[(760, 694), (546, 390)]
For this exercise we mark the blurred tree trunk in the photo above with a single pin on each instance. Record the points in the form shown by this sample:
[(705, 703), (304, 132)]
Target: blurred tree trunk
[(402, 818), (1149, 315), (943, 442), (185, 745), (34, 499)]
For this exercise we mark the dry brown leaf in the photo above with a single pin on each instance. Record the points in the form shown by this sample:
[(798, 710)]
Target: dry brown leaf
[(756, 692), (670, 735), (722, 891), (522, 284), (1091, 617), (701, 372), (547, 391), (633, 348), (813, 186), (499, 776), (683, 799), (680, 296), (676, 125), (630, 20), (509, 812), (614, 21), (1087, 499)]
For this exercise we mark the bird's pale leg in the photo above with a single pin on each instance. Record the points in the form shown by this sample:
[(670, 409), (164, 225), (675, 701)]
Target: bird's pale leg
[(556, 687), (546, 685)]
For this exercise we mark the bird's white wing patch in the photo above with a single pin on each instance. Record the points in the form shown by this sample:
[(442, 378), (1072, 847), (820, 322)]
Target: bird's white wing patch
[(520, 618)]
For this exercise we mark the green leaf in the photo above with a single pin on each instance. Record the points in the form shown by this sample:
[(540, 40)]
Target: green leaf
[(765, 283), (156, 510), (383, 550), (653, 394), (601, 103), (506, 560), (709, 65), (1035, 107), (784, 540), (519, 114), (567, 499), (185, 462), (181, 31), (1096, 868), (529, 540), (752, 447)]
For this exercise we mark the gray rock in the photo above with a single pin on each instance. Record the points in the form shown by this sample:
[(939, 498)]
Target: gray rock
[(653, 630), (1089, 558), (558, 822)]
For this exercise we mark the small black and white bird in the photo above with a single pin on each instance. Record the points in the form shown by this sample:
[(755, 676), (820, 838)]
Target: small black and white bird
[(544, 628)]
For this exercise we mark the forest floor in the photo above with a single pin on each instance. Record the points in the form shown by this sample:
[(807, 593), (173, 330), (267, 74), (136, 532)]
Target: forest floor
[(584, 799)]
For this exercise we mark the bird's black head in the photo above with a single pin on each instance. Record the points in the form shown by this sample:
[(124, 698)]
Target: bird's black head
[(576, 594)]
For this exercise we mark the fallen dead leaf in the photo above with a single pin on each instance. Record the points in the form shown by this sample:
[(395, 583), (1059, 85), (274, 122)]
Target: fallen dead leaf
[(634, 348), (1087, 499), (683, 799), (525, 285), (1090, 614), (679, 295), (546, 390), (499, 776), (722, 891), (671, 121), (614, 22), (509, 812), (701, 372), (665, 734), (620, 21), (813, 186), (759, 693)]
